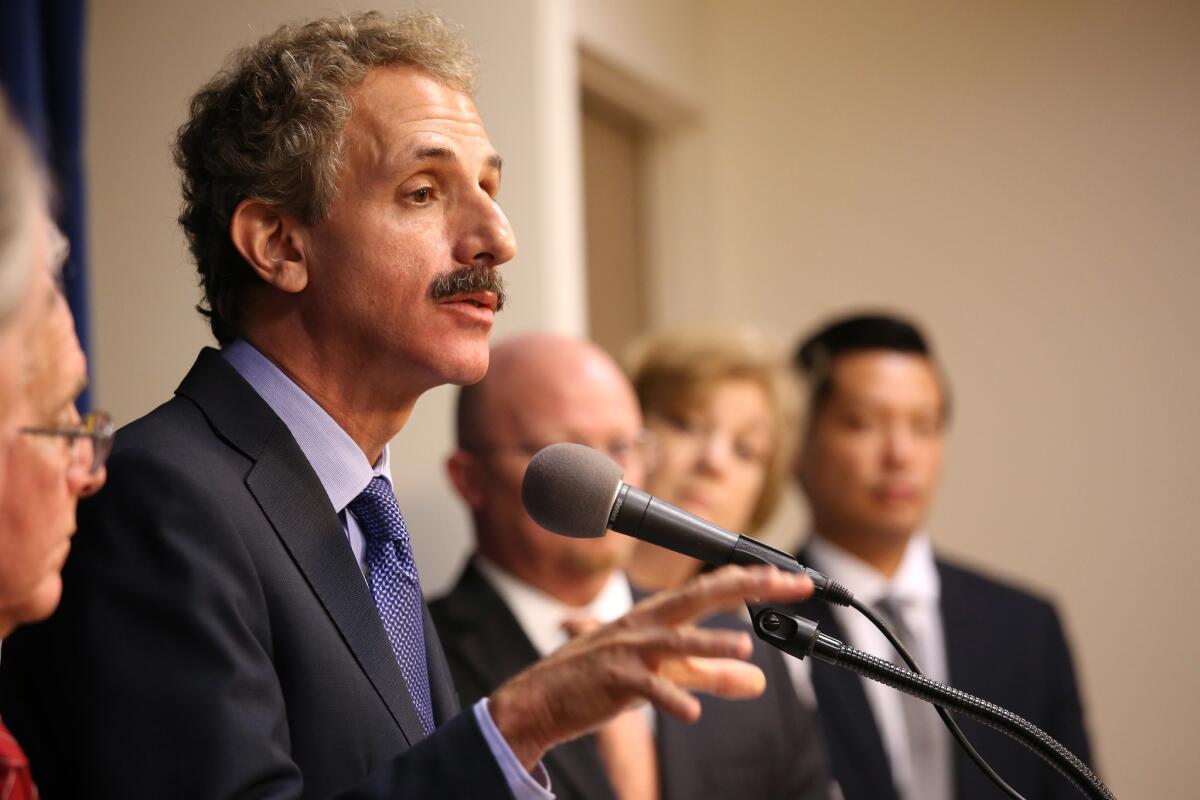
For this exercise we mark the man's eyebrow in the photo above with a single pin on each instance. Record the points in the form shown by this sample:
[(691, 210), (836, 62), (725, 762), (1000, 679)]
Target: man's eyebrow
[(67, 398), (80, 387), (446, 154), (435, 153)]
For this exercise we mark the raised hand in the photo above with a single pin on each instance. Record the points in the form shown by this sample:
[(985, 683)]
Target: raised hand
[(652, 653)]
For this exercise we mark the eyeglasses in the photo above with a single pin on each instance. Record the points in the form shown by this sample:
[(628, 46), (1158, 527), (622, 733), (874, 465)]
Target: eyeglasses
[(624, 450), (90, 441)]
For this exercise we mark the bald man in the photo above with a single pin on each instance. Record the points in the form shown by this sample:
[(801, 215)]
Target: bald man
[(526, 590)]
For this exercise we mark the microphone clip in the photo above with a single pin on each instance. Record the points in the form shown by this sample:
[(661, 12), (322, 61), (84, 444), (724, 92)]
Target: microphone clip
[(795, 635)]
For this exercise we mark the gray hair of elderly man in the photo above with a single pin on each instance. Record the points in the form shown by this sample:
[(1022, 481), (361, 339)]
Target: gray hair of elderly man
[(20, 195)]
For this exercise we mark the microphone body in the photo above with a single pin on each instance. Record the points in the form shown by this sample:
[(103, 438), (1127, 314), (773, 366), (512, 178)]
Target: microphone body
[(643, 516)]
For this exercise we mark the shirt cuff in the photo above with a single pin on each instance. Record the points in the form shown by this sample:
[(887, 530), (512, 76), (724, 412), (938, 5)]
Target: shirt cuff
[(523, 784)]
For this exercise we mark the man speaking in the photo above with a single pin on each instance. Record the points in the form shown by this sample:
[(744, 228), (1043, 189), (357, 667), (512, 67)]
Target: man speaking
[(242, 615)]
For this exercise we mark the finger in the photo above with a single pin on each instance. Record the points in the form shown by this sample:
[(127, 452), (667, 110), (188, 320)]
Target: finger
[(670, 699), (723, 677), (655, 645), (709, 592)]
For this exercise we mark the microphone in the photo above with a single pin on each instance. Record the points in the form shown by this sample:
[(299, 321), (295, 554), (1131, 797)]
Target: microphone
[(573, 490)]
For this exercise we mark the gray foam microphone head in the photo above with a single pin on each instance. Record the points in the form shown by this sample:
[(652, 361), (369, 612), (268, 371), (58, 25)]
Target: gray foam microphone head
[(570, 489)]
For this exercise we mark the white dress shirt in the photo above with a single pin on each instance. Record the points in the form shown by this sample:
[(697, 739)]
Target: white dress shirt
[(916, 590), (541, 616)]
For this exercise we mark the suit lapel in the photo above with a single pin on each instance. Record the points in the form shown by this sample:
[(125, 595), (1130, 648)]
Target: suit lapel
[(441, 684), (959, 632), (491, 644), (959, 629), (293, 500)]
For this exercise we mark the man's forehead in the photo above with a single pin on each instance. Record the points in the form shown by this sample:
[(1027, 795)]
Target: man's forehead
[(881, 374), (402, 113)]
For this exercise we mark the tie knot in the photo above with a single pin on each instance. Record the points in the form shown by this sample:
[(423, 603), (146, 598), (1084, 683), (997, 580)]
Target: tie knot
[(891, 607), (889, 603), (378, 513)]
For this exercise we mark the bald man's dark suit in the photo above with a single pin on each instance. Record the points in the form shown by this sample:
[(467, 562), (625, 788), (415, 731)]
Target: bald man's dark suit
[(763, 748), (216, 637), (1002, 644)]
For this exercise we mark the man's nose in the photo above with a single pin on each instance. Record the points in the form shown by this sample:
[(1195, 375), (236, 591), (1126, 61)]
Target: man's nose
[(485, 236), (82, 481), (899, 444)]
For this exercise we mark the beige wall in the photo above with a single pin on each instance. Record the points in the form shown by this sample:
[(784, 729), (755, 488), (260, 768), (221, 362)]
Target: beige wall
[(1023, 176)]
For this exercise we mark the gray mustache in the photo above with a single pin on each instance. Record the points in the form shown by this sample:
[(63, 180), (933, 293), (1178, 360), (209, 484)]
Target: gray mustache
[(475, 278)]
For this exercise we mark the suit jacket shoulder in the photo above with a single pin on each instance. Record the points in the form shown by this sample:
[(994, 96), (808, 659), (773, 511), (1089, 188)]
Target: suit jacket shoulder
[(216, 637), (1007, 645)]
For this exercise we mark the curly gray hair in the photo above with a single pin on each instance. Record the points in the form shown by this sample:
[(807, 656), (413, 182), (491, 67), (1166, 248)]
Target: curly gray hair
[(270, 126)]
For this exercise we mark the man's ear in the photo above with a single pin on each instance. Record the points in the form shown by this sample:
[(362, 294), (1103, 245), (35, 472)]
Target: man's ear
[(270, 240), (464, 472)]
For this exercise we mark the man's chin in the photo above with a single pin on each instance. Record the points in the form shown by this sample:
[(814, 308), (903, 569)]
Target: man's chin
[(43, 601), (470, 374), (892, 530), (463, 363)]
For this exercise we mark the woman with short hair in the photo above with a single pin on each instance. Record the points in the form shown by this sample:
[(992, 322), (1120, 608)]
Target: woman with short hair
[(722, 409)]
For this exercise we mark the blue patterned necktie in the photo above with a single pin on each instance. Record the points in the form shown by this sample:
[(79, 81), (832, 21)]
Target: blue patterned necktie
[(396, 587)]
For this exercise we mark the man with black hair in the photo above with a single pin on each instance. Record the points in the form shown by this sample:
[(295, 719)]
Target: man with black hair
[(868, 464)]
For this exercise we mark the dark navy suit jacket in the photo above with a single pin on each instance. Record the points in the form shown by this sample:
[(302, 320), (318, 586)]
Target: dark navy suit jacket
[(216, 638), (1002, 644)]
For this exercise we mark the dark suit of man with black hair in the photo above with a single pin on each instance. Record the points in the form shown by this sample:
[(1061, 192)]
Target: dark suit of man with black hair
[(868, 465), (242, 614)]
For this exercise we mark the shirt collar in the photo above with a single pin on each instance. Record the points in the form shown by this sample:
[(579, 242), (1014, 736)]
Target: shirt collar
[(541, 616), (915, 581), (340, 464)]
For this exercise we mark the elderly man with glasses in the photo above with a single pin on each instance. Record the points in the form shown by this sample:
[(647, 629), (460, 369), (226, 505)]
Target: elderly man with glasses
[(49, 458)]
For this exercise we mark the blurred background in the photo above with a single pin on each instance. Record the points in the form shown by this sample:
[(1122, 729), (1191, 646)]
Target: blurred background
[(1022, 177)]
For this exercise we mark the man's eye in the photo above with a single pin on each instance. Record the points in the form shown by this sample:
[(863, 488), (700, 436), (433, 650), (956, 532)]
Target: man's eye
[(856, 422), (926, 427), (422, 195)]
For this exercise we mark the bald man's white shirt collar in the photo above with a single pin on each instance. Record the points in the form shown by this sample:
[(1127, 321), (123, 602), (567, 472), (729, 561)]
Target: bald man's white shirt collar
[(541, 616)]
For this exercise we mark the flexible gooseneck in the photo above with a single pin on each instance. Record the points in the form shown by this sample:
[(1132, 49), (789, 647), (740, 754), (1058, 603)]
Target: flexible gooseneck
[(800, 637)]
